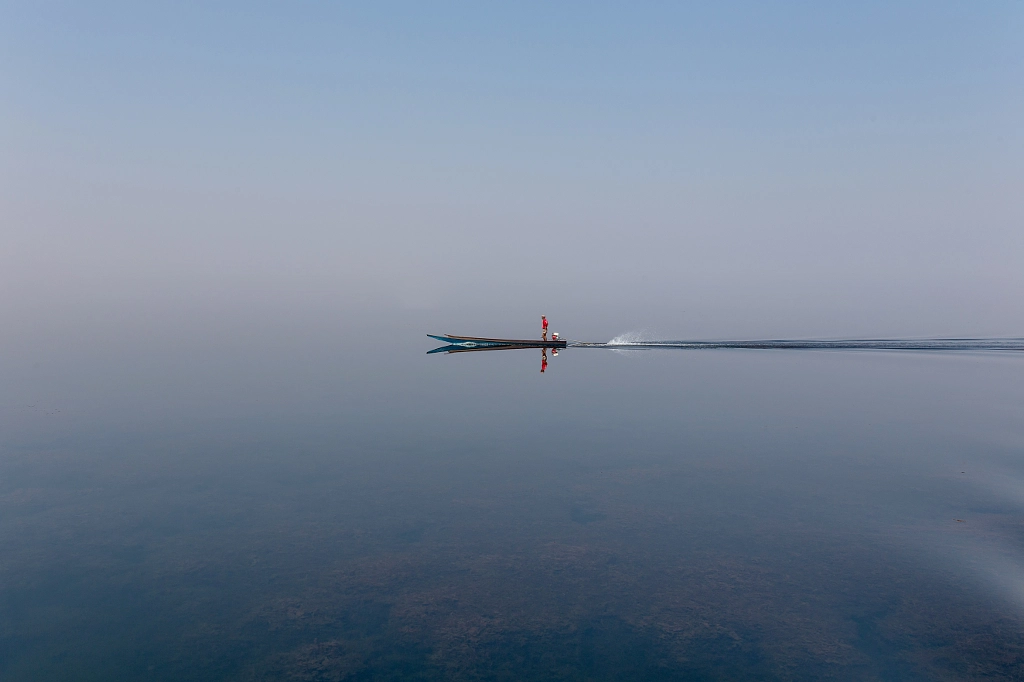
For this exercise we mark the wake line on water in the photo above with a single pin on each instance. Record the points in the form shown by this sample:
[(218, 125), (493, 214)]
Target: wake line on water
[(1002, 344)]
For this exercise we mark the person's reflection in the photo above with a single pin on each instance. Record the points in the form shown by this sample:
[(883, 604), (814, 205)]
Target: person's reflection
[(543, 359)]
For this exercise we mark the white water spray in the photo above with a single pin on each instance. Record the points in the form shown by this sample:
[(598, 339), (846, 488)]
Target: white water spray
[(632, 338)]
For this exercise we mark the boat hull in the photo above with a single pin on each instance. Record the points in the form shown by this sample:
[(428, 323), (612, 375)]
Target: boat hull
[(482, 342)]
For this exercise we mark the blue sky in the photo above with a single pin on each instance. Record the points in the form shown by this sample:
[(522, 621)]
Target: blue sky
[(803, 167)]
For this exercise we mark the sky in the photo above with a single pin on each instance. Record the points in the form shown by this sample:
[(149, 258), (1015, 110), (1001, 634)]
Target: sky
[(699, 170)]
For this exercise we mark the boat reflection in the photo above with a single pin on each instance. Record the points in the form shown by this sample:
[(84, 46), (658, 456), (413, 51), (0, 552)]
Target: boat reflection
[(452, 348), (544, 348)]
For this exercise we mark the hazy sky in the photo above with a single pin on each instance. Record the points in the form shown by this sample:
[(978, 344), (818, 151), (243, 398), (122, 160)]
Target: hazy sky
[(721, 169)]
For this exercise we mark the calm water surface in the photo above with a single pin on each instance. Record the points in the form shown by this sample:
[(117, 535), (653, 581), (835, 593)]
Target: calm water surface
[(320, 510)]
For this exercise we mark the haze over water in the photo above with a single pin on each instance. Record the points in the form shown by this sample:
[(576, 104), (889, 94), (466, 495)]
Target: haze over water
[(225, 232)]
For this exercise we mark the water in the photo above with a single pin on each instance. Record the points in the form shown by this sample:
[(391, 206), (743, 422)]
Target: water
[(634, 341), (299, 505)]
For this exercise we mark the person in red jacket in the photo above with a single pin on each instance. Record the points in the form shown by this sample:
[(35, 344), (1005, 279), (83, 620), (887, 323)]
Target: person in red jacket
[(544, 327)]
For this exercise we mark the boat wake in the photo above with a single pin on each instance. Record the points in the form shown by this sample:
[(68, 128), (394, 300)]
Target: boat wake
[(635, 341)]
